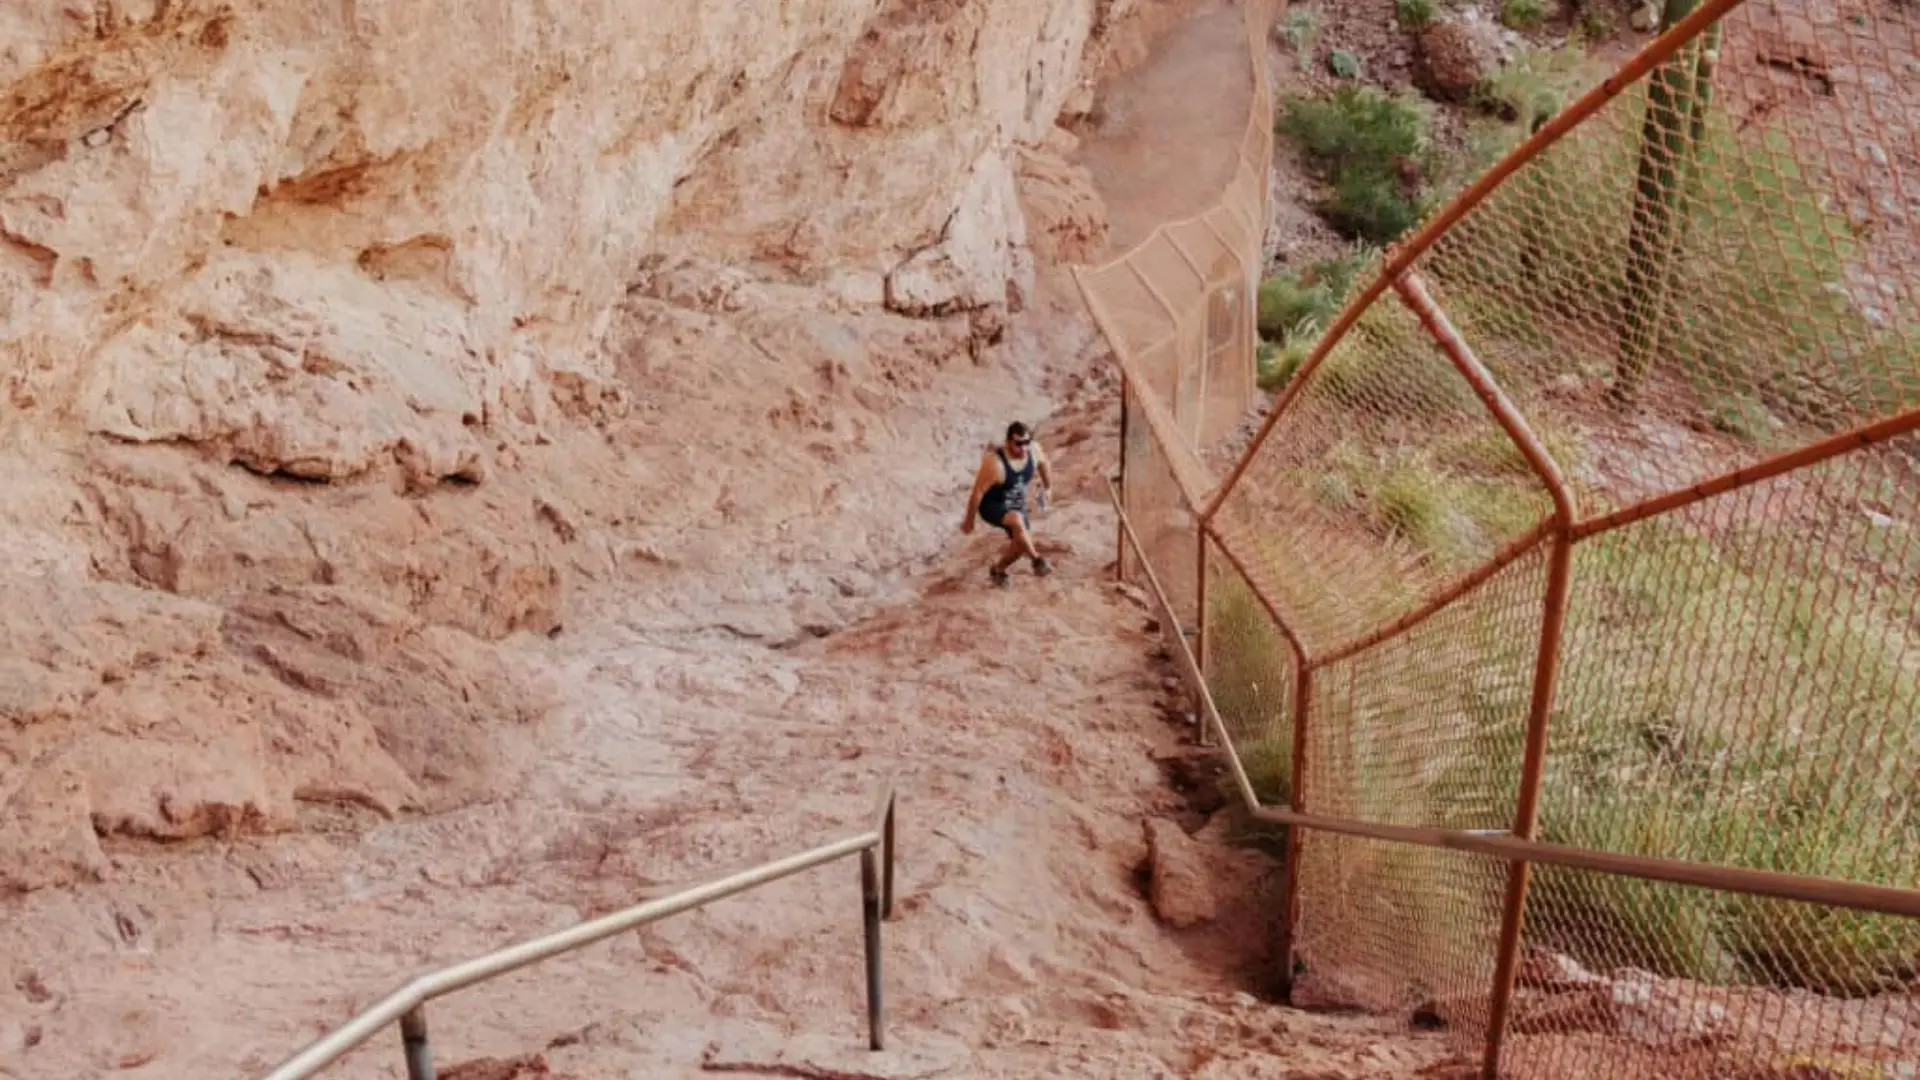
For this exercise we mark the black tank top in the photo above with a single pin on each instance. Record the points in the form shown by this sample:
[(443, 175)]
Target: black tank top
[(1012, 491)]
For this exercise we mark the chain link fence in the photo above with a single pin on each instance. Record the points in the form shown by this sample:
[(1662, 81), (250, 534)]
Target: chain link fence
[(1178, 309), (1565, 607)]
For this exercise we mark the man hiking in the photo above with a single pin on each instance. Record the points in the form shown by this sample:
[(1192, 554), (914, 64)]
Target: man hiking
[(999, 496)]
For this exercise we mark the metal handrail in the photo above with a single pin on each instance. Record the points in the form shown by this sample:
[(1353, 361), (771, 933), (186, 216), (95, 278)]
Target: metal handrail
[(407, 1004)]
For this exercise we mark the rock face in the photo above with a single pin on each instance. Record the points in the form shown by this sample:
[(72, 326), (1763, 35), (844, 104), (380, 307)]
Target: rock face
[(1181, 882), (330, 335), (1455, 55)]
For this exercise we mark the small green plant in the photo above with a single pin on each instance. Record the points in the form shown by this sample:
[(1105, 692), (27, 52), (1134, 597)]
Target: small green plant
[(1743, 418), (1598, 23), (1343, 64), (1414, 15), (1407, 503), (1289, 300), (1374, 150), (1300, 30), (1525, 14), (1519, 94)]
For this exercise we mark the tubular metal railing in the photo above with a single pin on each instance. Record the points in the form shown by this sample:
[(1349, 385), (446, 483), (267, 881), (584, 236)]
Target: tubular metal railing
[(407, 1004)]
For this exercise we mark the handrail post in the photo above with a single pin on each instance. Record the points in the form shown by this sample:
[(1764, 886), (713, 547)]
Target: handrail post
[(1296, 836), (1120, 529), (886, 871), (1200, 634), (870, 913), (413, 1040)]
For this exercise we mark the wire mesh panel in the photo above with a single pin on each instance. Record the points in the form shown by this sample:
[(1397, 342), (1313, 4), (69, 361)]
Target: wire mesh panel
[(1385, 480), (1593, 1000), (1426, 727), (1251, 672), (1398, 929), (1156, 503)]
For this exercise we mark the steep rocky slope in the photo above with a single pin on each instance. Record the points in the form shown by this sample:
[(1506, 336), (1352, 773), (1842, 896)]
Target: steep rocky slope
[(339, 341)]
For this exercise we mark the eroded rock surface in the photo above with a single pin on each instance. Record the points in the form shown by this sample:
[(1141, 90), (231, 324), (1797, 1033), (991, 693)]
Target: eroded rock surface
[(339, 343)]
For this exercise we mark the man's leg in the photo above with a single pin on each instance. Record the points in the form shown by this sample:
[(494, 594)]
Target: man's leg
[(1021, 544)]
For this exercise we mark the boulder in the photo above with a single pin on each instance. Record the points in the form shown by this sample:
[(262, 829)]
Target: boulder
[(1664, 1014), (1455, 55), (1180, 886)]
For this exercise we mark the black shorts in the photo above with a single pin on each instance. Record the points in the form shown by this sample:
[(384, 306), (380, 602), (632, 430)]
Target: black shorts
[(994, 513)]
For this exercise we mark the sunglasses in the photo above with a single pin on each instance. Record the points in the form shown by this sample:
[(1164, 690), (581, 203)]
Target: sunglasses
[(1021, 442)]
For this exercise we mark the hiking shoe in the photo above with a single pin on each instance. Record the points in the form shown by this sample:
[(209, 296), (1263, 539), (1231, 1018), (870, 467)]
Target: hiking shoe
[(1041, 567), (998, 576)]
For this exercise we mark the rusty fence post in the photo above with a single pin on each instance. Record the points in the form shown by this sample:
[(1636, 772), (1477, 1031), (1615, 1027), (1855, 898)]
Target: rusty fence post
[(1527, 811), (1412, 291), (1297, 800)]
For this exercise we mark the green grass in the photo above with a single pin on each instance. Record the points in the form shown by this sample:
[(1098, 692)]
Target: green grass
[(1299, 305), (1372, 150), (1293, 310), (1598, 23), (1389, 367), (1525, 14), (1414, 15), (1275, 364), (1250, 673), (1456, 519), (1294, 305)]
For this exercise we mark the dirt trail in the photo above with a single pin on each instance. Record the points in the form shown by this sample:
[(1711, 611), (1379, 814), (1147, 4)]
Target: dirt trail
[(1163, 141), (1022, 727)]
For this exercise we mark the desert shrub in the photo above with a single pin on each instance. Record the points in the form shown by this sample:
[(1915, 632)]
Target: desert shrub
[(1598, 22), (1276, 364), (1293, 310), (1300, 30), (1343, 64), (1373, 149), (1290, 303), (1525, 14), (1519, 94), (1414, 14), (1662, 749)]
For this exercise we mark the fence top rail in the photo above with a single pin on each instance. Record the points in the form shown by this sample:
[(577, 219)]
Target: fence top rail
[(423, 988)]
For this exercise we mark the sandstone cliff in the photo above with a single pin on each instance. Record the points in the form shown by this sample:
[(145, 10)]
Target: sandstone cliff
[(342, 338)]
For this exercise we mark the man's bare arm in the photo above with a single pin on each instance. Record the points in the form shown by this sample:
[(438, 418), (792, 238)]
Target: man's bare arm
[(983, 479), (1045, 469)]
